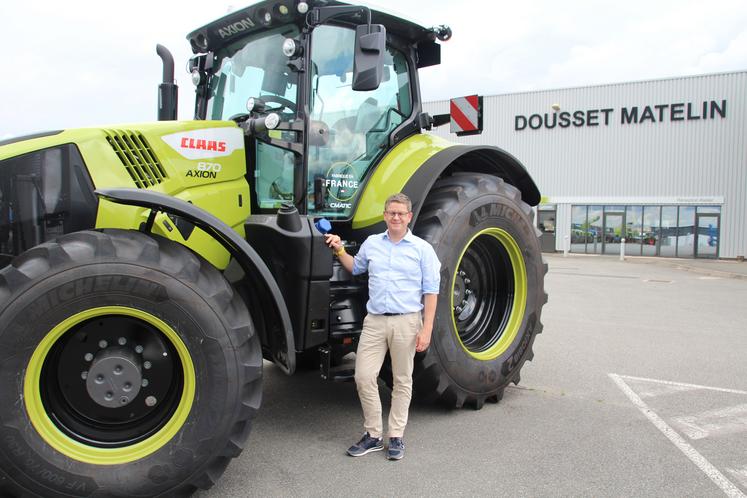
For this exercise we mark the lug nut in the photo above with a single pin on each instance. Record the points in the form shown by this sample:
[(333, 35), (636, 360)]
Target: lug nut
[(147, 365), (103, 344), (467, 281), (122, 341), (88, 357), (458, 310), (144, 383), (138, 349), (84, 375), (151, 401), (467, 292)]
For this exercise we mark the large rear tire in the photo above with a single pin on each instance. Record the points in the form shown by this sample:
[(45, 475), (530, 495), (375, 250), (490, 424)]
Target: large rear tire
[(128, 367), (492, 289)]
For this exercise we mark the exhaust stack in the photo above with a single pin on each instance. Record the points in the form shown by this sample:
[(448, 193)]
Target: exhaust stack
[(167, 90)]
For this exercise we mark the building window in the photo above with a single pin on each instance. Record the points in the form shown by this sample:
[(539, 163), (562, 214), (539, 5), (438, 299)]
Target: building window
[(596, 229), (668, 241), (686, 232), (633, 230), (651, 232), (579, 229), (668, 231)]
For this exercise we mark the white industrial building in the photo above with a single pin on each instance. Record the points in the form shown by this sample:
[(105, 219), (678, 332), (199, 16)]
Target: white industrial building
[(661, 163)]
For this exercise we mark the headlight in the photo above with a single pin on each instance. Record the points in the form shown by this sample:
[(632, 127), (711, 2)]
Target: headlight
[(291, 48)]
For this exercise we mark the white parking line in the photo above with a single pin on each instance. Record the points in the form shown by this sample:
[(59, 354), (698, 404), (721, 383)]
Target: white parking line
[(712, 472), (656, 389), (729, 420), (740, 474), (680, 384)]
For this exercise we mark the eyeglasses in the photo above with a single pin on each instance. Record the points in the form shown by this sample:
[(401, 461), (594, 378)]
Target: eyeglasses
[(395, 214)]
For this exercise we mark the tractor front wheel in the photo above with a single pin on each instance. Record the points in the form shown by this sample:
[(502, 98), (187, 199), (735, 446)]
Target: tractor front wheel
[(128, 367)]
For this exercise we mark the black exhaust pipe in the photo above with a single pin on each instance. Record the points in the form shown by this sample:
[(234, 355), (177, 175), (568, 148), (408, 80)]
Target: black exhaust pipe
[(167, 91)]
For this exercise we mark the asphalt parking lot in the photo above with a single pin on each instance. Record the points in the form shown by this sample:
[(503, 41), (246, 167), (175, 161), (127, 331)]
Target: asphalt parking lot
[(638, 388)]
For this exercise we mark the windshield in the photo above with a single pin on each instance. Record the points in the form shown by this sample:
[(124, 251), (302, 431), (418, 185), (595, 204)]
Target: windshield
[(254, 68)]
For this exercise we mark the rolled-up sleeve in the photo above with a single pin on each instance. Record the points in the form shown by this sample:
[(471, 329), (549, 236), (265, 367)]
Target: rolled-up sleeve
[(430, 268), (360, 260)]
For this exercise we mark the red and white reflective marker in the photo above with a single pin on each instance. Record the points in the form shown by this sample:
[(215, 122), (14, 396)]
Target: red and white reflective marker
[(466, 115)]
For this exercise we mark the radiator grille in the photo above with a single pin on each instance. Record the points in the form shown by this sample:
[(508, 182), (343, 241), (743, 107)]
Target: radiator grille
[(137, 157)]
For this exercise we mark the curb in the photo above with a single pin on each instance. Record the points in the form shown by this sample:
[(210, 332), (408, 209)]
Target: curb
[(678, 264)]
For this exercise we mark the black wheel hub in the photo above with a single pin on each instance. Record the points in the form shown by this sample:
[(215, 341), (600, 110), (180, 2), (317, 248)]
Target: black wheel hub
[(483, 293), (115, 377), (111, 381)]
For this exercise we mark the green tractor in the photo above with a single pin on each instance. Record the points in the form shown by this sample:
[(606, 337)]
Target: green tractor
[(149, 269)]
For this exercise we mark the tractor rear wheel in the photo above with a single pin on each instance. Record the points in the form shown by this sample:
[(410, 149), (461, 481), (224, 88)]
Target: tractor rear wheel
[(492, 289), (128, 367)]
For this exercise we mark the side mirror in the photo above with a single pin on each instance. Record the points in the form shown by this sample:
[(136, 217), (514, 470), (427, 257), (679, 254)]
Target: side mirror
[(368, 61)]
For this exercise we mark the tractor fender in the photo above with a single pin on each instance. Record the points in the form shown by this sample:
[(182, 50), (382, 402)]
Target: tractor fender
[(414, 165), (471, 158), (239, 248)]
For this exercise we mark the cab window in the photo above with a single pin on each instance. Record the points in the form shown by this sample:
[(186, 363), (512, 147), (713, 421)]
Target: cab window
[(349, 130)]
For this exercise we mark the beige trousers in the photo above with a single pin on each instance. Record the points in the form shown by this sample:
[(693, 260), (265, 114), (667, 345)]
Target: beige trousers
[(397, 335)]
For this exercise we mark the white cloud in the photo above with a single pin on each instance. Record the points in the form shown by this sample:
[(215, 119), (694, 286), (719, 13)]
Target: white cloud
[(733, 56), (84, 62)]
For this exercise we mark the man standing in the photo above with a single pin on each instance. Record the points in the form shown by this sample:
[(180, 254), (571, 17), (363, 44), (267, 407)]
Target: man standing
[(403, 281)]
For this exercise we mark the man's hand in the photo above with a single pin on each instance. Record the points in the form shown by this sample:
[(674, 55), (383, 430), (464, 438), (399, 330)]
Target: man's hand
[(423, 340), (333, 241)]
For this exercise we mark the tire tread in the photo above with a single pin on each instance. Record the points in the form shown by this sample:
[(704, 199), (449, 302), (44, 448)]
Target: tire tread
[(138, 248), (440, 207)]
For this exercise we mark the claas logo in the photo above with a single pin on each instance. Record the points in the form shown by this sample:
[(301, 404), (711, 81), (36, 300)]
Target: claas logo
[(200, 144)]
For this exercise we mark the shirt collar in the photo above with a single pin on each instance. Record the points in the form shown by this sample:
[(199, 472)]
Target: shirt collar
[(408, 235)]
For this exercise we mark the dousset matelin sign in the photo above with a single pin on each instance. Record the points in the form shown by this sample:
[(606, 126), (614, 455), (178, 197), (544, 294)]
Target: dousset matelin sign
[(631, 115)]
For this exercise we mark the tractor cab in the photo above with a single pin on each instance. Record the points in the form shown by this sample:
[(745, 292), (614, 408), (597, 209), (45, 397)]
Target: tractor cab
[(337, 89)]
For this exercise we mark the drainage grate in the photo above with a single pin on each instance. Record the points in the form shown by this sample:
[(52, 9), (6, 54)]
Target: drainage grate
[(137, 157)]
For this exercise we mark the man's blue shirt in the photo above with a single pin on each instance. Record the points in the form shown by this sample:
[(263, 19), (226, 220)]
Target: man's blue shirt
[(398, 274)]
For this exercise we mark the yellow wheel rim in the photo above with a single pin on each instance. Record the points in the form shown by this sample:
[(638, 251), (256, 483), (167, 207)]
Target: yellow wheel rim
[(76, 450), (500, 336)]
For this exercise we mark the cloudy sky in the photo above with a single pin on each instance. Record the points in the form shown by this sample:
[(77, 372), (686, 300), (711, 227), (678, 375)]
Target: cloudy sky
[(80, 63)]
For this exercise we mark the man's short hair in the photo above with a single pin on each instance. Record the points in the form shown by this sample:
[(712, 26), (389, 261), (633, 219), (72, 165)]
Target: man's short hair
[(401, 198)]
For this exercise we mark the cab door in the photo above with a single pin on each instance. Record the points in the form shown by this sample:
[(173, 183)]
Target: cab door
[(348, 130)]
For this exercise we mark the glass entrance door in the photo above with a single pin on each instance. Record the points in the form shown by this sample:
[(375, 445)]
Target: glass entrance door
[(707, 238), (546, 224), (613, 226)]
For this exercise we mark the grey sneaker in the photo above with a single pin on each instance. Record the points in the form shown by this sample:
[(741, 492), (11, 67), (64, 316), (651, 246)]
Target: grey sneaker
[(396, 449), (367, 444)]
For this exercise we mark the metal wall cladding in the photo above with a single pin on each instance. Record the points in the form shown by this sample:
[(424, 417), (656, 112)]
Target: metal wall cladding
[(623, 162)]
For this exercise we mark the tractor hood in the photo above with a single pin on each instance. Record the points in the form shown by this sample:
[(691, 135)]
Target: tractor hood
[(140, 155), (47, 180)]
